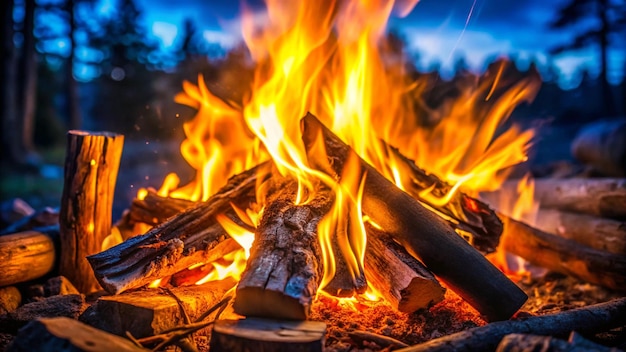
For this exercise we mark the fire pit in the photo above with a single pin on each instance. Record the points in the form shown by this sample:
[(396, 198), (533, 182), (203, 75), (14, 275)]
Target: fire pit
[(312, 221)]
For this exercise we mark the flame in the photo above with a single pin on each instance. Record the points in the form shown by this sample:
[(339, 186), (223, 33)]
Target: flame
[(333, 58)]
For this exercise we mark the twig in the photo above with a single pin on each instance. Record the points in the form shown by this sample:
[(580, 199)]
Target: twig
[(382, 341), (186, 318)]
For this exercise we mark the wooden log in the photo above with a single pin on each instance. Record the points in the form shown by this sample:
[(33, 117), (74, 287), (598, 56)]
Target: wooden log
[(65, 335), (191, 237), (25, 256), (591, 319), (91, 164), (602, 145), (598, 233), (424, 234), (563, 255), (10, 299), (405, 283), (284, 271), (154, 209), (148, 312), (530, 343), (602, 197), (254, 334), (42, 218), (466, 214)]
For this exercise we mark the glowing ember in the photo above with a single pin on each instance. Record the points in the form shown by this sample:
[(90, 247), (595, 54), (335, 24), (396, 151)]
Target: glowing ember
[(332, 58)]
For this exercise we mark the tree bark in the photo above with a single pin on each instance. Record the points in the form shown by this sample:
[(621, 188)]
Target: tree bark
[(423, 234), (28, 78), (252, 334), (191, 237), (591, 319), (91, 165), (564, 256), (25, 256), (284, 269), (67, 335), (405, 283), (598, 233)]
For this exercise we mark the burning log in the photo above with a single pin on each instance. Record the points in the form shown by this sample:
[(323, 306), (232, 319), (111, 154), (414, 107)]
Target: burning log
[(154, 209), (466, 213), (564, 256), (191, 237), (283, 272), (404, 282), (149, 312), (602, 197), (591, 319), (25, 256), (598, 233), (529, 342), (253, 334), (67, 335), (423, 233), (91, 165)]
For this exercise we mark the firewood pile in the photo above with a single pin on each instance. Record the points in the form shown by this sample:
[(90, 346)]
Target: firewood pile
[(59, 290)]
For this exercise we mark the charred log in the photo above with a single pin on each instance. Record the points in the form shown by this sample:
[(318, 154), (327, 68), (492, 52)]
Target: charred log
[(421, 232), (154, 209)]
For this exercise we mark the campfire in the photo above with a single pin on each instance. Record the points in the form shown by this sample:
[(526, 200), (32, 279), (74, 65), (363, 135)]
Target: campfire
[(323, 188)]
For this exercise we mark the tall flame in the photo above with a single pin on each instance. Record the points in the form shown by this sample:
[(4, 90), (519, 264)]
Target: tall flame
[(333, 58)]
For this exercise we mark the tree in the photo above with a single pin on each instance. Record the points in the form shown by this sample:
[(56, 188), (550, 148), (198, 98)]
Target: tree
[(28, 79), (603, 19), (11, 146)]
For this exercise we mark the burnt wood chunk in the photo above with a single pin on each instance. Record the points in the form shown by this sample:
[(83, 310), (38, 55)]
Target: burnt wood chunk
[(70, 306), (423, 234), (530, 343), (91, 164), (284, 269), (190, 237), (25, 256), (405, 283), (564, 255), (154, 209), (67, 335), (591, 319), (254, 334)]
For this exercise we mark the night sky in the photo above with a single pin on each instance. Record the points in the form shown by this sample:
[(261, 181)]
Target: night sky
[(440, 30)]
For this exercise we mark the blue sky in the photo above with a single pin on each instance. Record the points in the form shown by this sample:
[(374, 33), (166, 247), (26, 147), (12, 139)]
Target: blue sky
[(441, 30)]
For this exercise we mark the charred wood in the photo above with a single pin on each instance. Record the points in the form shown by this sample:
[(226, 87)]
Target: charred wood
[(564, 256), (155, 209), (405, 283), (67, 335), (590, 319), (91, 165), (42, 218), (191, 237), (70, 306), (253, 334), (530, 342), (423, 233)]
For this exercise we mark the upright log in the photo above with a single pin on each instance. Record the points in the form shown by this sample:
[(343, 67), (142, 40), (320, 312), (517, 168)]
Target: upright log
[(91, 164), (25, 256), (423, 233)]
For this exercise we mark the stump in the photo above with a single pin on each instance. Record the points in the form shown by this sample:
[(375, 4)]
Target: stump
[(91, 165)]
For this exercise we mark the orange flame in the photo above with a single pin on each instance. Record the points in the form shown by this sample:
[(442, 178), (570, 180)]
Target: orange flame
[(332, 58)]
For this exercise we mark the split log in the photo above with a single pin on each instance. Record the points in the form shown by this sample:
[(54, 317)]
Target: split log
[(154, 209), (598, 233), (191, 237), (149, 312), (253, 334), (602, 197), (530, 343), (91, 164), (467, 214), (25, 256), (591, 319), (564, 256), (284, 270), (424, 234), (67, 335), (405, 283)]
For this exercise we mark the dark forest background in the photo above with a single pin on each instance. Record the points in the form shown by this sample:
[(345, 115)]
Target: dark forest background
[(132, 81)]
